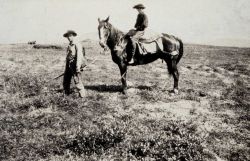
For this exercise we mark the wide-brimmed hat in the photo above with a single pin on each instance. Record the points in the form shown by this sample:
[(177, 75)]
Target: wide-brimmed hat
[(69, 32), (139, 6)]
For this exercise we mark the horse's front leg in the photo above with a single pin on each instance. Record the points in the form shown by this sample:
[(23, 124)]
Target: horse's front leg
[(176, 76), (123, 71)]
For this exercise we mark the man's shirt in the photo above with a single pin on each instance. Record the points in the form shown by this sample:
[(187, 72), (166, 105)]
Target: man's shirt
[(141, 22), (75, 53)]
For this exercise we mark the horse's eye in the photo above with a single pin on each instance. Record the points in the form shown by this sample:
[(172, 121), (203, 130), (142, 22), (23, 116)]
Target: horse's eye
[(105, 25)]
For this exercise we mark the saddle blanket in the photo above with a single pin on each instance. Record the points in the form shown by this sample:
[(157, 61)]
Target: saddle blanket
[(151, 41)]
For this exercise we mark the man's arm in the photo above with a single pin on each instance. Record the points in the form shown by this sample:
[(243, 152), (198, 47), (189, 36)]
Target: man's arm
[(145, 21), (137, 22)]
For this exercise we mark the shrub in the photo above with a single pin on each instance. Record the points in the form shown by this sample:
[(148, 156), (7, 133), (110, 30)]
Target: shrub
[(26, 85), (165, 141)]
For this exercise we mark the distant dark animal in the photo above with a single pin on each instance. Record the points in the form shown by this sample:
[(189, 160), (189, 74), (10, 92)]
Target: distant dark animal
[(32, 42), (47, 46), (110, 37)]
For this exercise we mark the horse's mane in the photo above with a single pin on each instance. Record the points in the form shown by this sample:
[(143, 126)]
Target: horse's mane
[(117, 31), (115, 34)]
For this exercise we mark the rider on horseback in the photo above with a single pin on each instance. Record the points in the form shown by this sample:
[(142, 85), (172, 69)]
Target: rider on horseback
[(140, 26)]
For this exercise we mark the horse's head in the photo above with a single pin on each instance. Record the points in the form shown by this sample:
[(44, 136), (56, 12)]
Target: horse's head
[(104, 31)]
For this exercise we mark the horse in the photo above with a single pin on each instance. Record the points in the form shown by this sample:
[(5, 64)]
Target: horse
[(110, 37)]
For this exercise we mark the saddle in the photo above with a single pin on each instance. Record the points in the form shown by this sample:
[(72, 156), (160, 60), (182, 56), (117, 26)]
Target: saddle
[(152, 42)]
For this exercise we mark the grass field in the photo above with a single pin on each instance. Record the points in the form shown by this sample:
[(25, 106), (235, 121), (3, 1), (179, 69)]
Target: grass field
[(208, 120)]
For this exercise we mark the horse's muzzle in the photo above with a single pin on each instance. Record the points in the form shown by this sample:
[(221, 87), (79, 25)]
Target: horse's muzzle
[(102, 44)]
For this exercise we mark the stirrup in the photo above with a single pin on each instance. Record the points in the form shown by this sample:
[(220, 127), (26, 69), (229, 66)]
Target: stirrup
[(142, 49)]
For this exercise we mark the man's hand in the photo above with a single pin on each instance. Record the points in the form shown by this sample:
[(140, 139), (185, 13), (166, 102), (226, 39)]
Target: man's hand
[(78, 70)]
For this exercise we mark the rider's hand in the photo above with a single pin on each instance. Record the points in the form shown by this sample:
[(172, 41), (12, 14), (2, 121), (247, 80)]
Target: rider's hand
[(78, 71)]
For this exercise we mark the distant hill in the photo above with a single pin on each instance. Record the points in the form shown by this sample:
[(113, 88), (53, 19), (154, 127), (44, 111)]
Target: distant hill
[(234, 42), (91, 36), (230, 42)]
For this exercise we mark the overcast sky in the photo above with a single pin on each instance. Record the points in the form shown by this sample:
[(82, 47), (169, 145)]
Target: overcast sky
[(226, 22)]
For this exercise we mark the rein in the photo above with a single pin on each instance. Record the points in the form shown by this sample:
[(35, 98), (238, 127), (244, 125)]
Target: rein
[(116, 40)]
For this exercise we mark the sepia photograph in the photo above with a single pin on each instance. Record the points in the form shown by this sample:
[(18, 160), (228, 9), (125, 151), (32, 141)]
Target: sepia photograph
[(125, 80)]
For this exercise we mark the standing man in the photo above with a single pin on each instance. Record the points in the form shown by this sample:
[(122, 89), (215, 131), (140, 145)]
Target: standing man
[(140, 26), (75, 62)]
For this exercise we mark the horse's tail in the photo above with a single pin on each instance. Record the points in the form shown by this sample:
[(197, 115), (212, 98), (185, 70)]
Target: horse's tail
[(181, 51)]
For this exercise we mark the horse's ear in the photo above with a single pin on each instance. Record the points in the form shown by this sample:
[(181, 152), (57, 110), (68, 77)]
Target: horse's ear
[(107, 20), (99, 20)]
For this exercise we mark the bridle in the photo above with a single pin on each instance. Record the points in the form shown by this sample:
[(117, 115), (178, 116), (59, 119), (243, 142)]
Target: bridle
[(105, 35), (102, 42)]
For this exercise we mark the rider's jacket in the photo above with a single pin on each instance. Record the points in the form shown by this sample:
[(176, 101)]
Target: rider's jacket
[(141, 22)]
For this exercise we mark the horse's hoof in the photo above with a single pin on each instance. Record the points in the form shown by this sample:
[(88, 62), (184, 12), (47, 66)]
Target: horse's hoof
[(171, 94), (125, 92), (129, 84), (82, 93), (176, 91)]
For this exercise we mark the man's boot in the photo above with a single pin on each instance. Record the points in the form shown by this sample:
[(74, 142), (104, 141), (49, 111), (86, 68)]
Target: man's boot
[(82, 93)]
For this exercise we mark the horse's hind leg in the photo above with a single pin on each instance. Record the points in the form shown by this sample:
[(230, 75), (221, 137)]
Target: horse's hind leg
[(172, 69), (123, 71)]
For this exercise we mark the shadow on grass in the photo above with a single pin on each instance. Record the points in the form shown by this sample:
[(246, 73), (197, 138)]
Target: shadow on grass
[(104, 88), (114, 88), (143, 87)]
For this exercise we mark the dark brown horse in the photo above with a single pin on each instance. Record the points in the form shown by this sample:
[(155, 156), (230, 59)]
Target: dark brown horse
[(110, 37)]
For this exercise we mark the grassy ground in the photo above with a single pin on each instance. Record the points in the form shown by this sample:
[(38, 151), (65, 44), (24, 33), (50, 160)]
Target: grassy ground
[(208, 120)]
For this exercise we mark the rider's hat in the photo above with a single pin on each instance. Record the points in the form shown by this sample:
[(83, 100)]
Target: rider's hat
[(139, 6), (69, 32)]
